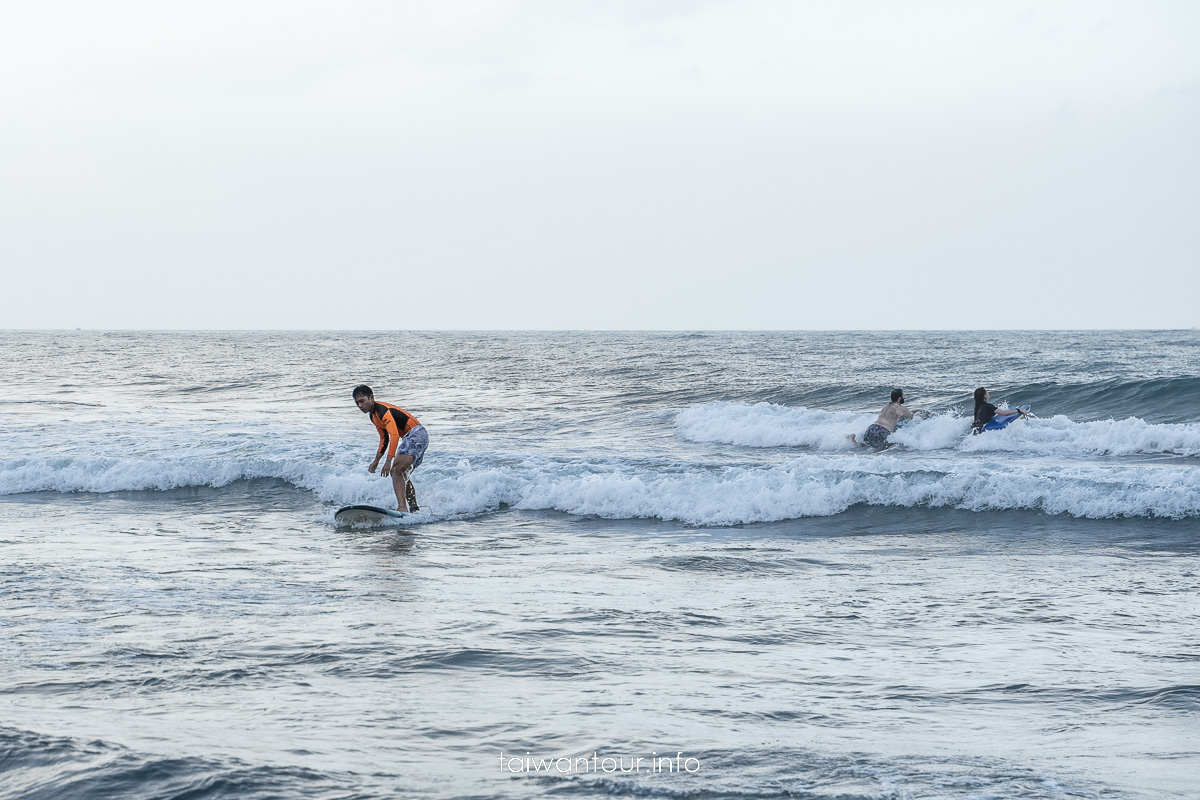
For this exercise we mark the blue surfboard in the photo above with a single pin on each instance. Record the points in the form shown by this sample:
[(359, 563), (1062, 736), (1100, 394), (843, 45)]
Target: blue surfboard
[(1000, 423), (364, 515)]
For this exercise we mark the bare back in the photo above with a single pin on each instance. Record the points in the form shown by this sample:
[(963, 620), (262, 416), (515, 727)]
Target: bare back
[(891, 414)]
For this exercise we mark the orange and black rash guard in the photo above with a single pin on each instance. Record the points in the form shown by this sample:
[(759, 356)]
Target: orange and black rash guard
[(392, 423)]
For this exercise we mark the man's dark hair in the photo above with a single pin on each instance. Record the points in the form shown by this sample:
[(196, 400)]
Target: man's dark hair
[(362, 390), (897, 395)]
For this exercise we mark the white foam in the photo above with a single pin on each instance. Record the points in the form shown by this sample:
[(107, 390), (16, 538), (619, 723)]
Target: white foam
[(769, 425), (137, 474), (818, 486), (1060, 436)]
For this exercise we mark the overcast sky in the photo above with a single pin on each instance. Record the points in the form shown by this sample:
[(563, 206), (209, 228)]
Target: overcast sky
[(640, 164)]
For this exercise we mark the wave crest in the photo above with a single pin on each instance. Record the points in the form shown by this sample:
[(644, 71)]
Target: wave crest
[(769, 425), (804, 486)]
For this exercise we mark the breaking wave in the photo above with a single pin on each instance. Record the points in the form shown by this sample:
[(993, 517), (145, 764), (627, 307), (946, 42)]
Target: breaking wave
[(797, 487), (769, 425)]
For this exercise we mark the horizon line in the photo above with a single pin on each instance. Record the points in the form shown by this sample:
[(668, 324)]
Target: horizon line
[(593, 330)]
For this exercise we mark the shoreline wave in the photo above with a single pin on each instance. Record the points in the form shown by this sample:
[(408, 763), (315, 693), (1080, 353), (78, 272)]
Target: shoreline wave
[(797, 488)]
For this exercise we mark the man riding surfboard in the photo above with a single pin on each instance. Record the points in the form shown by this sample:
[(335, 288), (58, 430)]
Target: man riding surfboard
[(402, 437)]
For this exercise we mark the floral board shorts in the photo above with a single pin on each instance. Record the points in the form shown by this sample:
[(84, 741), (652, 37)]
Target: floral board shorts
[(876, 436), (414, 445)]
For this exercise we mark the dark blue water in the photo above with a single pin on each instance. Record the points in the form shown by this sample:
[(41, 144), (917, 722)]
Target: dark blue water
[(634, 545)]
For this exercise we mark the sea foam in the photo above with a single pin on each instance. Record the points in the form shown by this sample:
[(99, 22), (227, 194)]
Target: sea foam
[(811, 486)]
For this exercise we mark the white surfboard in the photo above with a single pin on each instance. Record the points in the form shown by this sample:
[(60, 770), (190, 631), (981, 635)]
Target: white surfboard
[(364, 515)]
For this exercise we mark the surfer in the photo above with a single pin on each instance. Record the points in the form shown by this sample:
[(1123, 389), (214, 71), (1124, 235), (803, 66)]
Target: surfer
[(985, 412), (404, 439), (876, 436)]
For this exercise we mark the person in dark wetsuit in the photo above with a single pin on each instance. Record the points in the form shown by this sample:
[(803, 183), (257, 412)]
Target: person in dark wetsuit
[(402, 437), (876, 436), (985, 412)]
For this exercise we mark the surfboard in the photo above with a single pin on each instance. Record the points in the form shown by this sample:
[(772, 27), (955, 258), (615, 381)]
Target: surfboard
[(999, 423), (364, 515)]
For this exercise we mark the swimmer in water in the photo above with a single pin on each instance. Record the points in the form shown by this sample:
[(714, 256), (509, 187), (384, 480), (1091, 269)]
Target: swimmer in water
[(985, 412), (876, 436)]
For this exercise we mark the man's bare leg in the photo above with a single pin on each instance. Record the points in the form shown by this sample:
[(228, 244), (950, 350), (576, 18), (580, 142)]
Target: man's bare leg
[(400, 468)]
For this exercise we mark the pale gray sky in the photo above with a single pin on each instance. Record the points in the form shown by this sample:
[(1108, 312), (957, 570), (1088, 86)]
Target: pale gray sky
[(619, 164)]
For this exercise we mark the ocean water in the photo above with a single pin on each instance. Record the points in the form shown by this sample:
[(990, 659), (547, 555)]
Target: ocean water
[(654, 546)]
